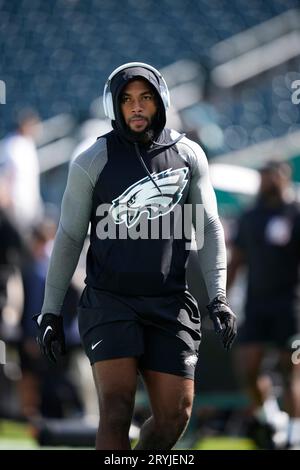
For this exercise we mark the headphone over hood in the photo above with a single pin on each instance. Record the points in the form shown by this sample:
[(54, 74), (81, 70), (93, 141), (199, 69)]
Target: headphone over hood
[(119, 81), (112, 108)]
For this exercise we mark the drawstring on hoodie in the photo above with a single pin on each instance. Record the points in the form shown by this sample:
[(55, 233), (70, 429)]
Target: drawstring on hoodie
[(168, 144), (136, 146)]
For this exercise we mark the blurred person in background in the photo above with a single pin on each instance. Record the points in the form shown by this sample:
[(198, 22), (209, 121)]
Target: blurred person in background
[(44, 391), (13, 255), (13, 252), (31, 361), (135, 313), (267, 242), (19, 171)]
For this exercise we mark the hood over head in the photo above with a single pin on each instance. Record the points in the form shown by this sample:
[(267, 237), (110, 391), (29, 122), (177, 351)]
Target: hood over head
[(111, 99), (119, 81)]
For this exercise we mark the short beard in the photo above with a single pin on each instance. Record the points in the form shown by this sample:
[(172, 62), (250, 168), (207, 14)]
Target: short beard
[(143, 136)]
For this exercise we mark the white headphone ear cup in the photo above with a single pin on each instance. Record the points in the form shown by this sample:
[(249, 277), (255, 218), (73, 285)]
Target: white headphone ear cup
[(165, 97), (107, 102), (164, 92), (110, 106)]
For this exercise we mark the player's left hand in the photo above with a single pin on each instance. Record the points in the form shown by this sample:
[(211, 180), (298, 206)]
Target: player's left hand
[(224, 320)]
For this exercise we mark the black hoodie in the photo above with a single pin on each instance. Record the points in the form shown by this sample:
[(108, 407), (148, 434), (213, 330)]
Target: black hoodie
[(138, 186), (145, 172)]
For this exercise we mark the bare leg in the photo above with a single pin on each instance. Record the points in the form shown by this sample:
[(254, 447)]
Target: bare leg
[(171, 400), (115, 381)]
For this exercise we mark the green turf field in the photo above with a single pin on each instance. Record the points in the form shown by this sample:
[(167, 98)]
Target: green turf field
[(19, 436), (16, 436), (225, 443)]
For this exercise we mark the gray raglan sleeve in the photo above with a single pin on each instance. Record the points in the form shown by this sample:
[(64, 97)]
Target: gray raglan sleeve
[(212, 253), (70, 236)]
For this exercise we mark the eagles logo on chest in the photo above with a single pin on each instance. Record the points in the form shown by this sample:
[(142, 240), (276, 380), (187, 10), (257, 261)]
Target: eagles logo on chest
[(144, 196)]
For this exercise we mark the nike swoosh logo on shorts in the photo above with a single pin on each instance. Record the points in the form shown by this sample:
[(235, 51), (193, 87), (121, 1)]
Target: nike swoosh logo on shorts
[(96, 344), (46, 331)]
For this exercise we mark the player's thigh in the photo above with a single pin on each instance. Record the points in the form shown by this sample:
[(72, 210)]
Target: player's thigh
[(170, 395), (113, 375), (116, 383), (171, 351), (168, 368)]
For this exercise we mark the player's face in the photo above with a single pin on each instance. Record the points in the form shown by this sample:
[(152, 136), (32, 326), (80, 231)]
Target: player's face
[(138, 105)]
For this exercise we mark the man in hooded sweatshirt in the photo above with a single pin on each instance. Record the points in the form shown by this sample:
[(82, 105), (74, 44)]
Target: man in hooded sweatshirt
[(136, 315)]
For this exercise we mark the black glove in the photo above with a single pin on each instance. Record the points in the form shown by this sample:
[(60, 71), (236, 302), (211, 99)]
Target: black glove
[(50, 334), (224, 320)]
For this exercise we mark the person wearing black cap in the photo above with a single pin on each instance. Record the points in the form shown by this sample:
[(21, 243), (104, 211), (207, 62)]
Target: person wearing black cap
[(268, 243), (136, 314)]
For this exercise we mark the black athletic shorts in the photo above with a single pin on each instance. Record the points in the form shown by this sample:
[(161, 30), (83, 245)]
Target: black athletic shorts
[(272, 321), (163, 332)]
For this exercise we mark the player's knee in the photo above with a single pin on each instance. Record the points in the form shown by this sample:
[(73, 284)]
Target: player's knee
[(116, 411), (182, 419), (175, 421), (171, 427)]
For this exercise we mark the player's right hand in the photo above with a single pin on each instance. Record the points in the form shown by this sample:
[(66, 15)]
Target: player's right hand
[(50, 335)]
